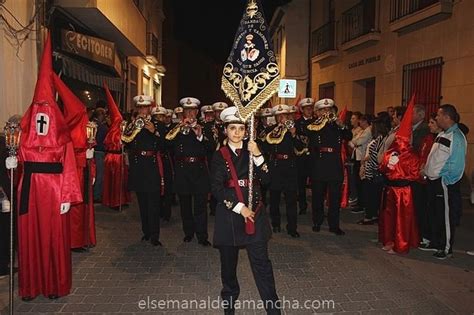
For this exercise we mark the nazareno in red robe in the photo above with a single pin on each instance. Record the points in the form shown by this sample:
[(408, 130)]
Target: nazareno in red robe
[(82, 215), (49, 178), (114, 190), (397, 219)]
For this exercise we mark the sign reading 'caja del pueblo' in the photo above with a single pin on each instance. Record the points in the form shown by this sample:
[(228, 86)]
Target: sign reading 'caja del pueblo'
[(88, 47)]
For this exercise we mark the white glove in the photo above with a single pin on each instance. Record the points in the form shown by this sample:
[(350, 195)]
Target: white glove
[(5, 206), (393, 160), (11, 162), (90, 153), (93, 181), (65, 207)]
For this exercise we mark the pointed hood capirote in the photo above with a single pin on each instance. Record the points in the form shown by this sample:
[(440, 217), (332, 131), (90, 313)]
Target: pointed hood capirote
[(43, 124), (113, 140), (75, 114)]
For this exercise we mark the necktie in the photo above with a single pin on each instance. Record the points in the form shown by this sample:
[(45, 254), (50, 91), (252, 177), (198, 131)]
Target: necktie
[(238, 151)]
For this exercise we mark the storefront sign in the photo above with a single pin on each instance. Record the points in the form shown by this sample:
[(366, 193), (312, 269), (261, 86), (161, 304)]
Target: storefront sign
[(365, 61), (88, 47)]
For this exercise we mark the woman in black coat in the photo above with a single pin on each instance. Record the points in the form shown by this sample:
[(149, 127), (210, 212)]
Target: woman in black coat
[(236, 225)]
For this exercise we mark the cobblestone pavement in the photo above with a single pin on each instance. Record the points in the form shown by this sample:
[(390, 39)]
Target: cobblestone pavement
[(351, 271)]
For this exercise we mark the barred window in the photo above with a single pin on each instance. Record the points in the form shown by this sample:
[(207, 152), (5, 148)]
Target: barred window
[(424, 79)]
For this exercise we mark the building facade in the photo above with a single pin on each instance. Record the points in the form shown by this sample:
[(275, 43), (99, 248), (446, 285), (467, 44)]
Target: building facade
[(371, 54), (18, 63), (290, 31)]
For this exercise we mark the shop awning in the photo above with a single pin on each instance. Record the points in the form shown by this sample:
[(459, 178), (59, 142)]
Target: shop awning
[(82, 72)]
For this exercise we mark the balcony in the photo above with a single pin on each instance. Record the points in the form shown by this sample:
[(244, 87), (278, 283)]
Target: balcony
[(409, 15), (119, 21), (152, 48), (358, 25), (323, 42)]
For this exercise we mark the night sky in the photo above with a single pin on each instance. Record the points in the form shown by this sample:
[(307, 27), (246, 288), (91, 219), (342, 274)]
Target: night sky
[(210, 25)]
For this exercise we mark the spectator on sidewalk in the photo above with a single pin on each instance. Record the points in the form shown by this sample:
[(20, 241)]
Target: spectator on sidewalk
[(444, 169)]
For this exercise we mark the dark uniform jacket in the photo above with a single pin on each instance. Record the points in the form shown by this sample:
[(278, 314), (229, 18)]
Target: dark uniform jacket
[(280, 147), (324, 146), (190, 177), (143, 169), (303, 160), (229, 227)]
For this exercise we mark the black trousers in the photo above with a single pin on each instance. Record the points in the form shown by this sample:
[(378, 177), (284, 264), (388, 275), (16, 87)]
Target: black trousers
[(372, 197), (319, 189), (304, 173), (291, 214), (420, 202), (165, 202), (262, 273), (212, 205), (149, 204), (4, 243), (443, 204), (194, 221), (357, 185)]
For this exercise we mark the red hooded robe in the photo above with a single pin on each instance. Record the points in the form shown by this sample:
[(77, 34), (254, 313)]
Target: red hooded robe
[(114, 190), (82, 215), (397, 220), (48, 180)]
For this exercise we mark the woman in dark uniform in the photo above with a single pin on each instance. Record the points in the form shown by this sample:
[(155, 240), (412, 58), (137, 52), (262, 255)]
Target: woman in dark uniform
[(236, 225)]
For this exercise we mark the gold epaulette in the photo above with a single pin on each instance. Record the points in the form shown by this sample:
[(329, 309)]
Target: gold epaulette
[(317, 125), (173, 132), (130, 133), (276, 135)]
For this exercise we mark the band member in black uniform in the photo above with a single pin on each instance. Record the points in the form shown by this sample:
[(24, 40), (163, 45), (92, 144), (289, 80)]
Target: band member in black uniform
[(191, 147), (236, 225), (303, 162), (325, 137), (165, 165), (209, 124), (262, 129), (144, 140), (218, 107), (280, 144)]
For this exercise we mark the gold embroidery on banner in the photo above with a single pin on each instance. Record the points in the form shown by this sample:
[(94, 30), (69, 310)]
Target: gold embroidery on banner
[(263, 86), (252, 9)]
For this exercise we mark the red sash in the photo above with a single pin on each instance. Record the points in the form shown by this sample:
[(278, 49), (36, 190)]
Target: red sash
[(249, 225), (161, 171)]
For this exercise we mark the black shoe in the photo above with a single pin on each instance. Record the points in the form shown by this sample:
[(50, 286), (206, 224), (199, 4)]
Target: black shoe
[(337, 231), (302, 211), (316, 228), (79, 250), (441, 254), (145, 238), (212, 213), (53, 297), (276, 229), (357, 210), (294, 234), (188, 238), (167, 220), (204, 243), (27, 298), (427, 247), (155, 242)]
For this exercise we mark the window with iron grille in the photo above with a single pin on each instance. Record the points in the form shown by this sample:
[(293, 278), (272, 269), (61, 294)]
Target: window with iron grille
[(424, 79)]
